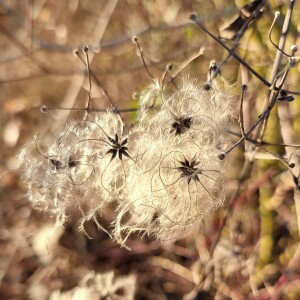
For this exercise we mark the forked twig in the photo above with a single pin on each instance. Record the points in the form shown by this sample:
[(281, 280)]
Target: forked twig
[(232, 53)]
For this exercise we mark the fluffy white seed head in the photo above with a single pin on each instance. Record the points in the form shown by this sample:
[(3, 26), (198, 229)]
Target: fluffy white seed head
[(86, 167), (164, 172), (100, 286), (174, 196), (181, 180)]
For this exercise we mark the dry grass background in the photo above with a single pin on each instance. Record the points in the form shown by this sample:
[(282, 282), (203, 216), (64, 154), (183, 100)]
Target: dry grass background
[(256, 257)]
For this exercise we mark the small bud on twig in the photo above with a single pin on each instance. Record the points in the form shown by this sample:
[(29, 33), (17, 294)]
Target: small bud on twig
[(44, 109)]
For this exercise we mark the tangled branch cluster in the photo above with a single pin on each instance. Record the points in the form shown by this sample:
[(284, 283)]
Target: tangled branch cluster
[(164, 172)]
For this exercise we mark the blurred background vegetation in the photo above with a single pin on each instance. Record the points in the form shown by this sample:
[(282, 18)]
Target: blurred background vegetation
[(37, 67)]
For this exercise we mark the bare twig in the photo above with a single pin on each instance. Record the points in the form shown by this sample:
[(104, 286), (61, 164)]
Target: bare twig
[(22, 48), (77, 80), (275, 70), (232, 53)]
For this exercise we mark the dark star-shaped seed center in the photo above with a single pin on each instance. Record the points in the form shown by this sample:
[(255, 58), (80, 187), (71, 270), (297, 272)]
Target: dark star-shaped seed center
[(118, 148), (181, 125), (189, 170), (59, 165)]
